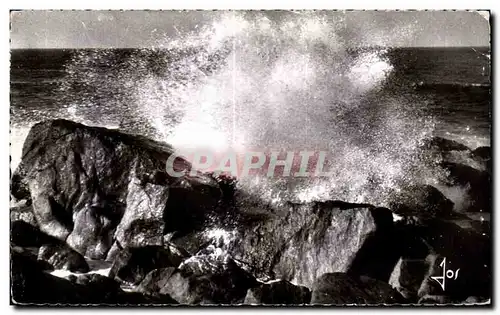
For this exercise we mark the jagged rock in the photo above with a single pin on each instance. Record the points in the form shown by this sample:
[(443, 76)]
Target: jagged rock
[(478, 184), (340, 289), (278, 292), (444, 145), (134, 263), (421, 201), (207, 279), (89, 185), (408, 276), (30, 285), (61, 256), (286, 243)]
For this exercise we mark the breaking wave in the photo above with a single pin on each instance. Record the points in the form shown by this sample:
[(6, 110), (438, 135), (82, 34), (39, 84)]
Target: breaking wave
[(249, 81)]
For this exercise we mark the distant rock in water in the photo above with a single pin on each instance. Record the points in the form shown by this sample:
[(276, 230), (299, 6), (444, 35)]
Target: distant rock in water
[(340, 289), (26, 235), (483, 155), (88, 185), (421, 201)]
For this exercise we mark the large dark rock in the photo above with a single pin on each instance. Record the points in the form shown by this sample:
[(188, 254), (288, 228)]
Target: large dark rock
[(210, 278), (421, 201), (341, 289), (300, 242), (50, 249), (278, 292), (134, 263), (477, 182), (88, 185)]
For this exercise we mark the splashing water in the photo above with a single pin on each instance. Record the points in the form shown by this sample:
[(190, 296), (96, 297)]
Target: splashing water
[(251, 81)]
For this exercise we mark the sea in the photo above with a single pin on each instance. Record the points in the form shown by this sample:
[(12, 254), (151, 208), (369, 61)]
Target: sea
[(369, 107)]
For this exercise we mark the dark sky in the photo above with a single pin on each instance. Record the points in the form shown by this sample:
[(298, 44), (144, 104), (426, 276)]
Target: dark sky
[(99, 29)]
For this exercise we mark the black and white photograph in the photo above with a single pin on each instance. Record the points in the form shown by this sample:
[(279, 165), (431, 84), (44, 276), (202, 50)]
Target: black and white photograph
[(251, 158)]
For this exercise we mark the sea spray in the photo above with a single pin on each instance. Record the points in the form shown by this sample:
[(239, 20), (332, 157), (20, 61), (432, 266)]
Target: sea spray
[(243, 81)]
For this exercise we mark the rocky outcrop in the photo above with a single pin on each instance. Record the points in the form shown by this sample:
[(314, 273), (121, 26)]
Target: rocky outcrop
[(279, 292), (134, 263), (330, 236), (89, 185), (341, 289)]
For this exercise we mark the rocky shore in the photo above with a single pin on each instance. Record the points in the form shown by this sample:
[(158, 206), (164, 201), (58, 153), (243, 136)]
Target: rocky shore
[(86, 194)]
